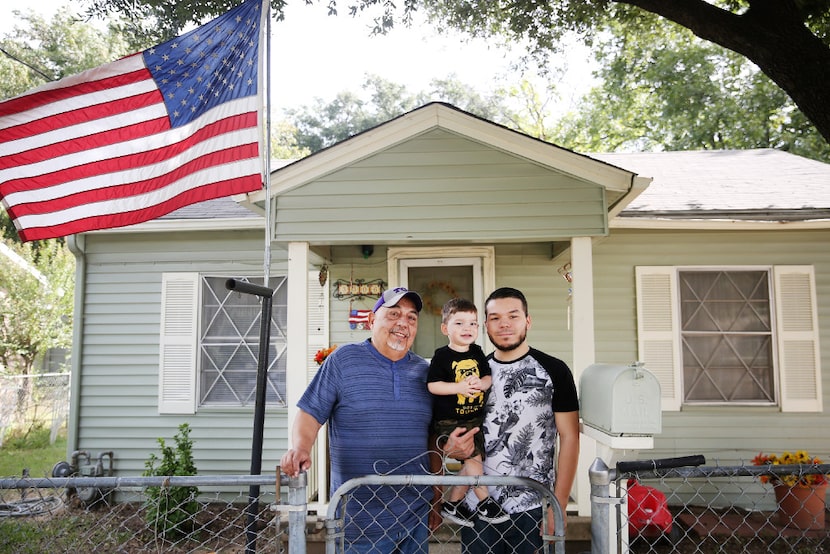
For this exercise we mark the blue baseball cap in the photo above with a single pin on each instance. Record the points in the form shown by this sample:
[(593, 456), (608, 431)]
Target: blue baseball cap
[(390, 297)]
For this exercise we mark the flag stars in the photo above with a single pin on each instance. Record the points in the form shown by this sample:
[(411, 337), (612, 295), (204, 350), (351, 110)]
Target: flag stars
[(216, 64)]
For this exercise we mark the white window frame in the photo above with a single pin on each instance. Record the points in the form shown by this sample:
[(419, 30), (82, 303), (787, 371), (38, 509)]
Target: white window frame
[(181, 305), (796, 356)]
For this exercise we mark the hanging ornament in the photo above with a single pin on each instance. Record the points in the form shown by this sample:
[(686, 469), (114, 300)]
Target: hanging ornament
[(565, 272)]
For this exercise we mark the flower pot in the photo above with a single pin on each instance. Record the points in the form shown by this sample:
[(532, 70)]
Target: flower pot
[(801, 507)]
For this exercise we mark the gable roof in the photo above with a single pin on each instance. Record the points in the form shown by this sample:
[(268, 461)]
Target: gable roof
[(448, 118)]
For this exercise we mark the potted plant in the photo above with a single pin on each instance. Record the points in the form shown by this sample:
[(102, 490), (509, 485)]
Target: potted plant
[(800, 496)]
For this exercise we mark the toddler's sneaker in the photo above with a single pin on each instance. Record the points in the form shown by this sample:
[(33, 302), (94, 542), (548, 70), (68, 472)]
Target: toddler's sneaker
[(458, 512), (490, 511)]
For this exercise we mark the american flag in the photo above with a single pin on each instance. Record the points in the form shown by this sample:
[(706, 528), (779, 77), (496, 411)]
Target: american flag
[(137, 138)]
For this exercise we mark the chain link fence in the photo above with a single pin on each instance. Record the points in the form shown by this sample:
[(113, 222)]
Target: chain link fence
[(663, 506), (112, 514), (641, 509), (30, 401)]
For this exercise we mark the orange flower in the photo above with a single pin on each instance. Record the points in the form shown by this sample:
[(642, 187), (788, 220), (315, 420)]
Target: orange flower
[(323, 353)]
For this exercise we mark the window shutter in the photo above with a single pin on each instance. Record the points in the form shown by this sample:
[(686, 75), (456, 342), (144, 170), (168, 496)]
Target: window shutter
[(178, 343), (318, 320), (657, 333), (798, 341)]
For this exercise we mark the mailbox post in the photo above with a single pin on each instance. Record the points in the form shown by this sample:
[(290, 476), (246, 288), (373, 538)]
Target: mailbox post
[(620, 410)]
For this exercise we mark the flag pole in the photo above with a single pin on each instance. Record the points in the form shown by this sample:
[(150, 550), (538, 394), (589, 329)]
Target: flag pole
[(266, 298), (267, 148)]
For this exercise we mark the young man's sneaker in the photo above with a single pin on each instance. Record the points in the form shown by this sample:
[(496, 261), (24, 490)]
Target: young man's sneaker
[(490, 511), (458, 512)]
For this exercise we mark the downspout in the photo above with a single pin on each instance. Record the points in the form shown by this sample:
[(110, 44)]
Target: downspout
[(76, 244)]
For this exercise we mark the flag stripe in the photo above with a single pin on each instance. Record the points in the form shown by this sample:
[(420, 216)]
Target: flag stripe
[(139, 137), (130, 203), (99, 79), (98, 139), (111, 109), (63, 172), (139, 215), (55, 206)]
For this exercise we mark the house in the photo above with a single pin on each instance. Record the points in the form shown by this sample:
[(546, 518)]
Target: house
[(710, 267)]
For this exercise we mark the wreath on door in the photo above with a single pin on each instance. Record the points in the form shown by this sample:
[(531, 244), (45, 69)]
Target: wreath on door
[(436, 294)]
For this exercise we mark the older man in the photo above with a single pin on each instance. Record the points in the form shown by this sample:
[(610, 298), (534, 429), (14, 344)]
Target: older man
[(374, 397)]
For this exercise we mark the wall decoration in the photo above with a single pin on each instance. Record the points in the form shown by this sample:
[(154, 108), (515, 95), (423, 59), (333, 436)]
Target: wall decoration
[(359, 319), (356, 289)]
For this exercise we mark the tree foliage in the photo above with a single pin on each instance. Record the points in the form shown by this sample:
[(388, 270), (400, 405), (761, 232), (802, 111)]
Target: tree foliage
[(326, 122), (36, 302), (663, 88), (39, 50), (787, 39)]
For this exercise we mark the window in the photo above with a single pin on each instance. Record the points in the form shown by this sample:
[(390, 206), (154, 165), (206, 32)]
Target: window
[(209, 344), (731, 336), (726, 333), (229, 333)]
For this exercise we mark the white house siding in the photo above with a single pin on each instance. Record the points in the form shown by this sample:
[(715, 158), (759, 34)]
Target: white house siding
[(118, 388), (441, 187), (727, 434)]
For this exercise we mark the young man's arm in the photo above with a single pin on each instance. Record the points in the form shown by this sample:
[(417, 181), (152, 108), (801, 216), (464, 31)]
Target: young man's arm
[(567, 423)]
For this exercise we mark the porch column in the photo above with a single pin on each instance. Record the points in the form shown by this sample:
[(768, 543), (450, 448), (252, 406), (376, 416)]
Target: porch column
[(297, 312), (584, 351)]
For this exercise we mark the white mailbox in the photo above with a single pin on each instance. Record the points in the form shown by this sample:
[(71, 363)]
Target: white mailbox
[(620, 400)]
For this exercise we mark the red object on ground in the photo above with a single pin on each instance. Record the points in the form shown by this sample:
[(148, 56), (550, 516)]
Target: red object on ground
[(648, 511)]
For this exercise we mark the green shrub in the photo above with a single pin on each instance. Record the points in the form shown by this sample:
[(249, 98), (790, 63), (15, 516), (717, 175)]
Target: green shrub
[(170, 511)]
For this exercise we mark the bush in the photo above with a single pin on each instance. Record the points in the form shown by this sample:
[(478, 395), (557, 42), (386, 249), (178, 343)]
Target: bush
[(171, 510)]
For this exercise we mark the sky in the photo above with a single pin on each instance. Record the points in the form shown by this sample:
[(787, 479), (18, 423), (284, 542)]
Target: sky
[(315, 55)]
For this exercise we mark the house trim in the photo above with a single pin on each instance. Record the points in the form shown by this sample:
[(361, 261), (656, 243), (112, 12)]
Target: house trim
[(714, 224)]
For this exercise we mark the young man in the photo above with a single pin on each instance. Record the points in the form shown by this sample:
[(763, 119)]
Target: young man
[(532, 401), (374, 396)]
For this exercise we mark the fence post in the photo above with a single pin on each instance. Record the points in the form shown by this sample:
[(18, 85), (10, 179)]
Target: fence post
[(603, 534), (297, 509)]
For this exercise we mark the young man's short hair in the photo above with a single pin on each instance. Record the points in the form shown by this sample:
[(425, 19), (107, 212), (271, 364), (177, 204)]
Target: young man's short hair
[(506, 292)]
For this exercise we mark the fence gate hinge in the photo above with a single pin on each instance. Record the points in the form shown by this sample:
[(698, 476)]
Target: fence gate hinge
[(608, 499)]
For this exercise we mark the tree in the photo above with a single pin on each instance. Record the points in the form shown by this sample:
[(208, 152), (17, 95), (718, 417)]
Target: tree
[(663, 88), (37, 51), (324, 123), (787, 39), (36, 302)]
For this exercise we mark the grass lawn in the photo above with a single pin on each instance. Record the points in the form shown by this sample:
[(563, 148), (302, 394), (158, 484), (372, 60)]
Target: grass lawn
[(32, 452)]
